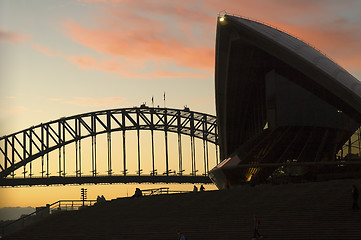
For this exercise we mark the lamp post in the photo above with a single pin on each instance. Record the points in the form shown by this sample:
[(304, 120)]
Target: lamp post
[(83, 195)]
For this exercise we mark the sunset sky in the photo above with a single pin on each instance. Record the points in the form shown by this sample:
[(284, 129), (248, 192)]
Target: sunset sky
[(61, 58)]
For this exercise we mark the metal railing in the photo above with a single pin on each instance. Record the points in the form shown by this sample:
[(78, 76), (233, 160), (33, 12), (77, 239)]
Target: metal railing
[(159, 191), (69, 205), (40, 213), (66, 205)]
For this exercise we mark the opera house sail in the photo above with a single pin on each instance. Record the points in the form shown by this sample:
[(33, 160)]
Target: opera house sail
[(277, 100)]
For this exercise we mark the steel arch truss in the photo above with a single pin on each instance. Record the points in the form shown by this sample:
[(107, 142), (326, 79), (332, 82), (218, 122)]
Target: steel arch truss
[(21, 148)]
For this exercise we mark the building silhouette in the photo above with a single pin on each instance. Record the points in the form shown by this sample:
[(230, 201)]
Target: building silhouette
[(278, 100)]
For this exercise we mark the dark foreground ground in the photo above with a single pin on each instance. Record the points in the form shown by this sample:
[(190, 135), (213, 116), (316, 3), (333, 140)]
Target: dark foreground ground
[(319, 210)]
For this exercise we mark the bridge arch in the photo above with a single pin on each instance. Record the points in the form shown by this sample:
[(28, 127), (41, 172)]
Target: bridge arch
[(21, 148)]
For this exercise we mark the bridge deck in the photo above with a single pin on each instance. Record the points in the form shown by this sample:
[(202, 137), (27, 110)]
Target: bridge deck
[(11, 182)]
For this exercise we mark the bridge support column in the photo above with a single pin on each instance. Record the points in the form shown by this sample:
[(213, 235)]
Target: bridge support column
[(139, 160), (205, 157), (153, 164), (13, 154), (124, 155), (80, 171), (166, 153), (180, 154), (193, 154), (31, 152), (166, 143), (42, 149), (64, 172), (109, 144), (94, 155), (76, 158), (78, 148), (59, 164), (24, 151), (138, 139), (47, 154)]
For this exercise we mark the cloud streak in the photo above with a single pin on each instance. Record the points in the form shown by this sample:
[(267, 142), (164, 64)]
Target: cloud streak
[(13, 37), (142, 44), (177, 37)]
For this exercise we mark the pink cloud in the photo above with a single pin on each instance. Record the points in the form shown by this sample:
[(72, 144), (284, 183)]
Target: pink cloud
[(130, 68), (129, 41), (142, 44), (339, 41), (127, 35), (125, 69), (139, 32), (269, 9)]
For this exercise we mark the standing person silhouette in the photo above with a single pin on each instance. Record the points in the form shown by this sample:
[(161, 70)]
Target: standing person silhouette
[(256, 234), (355, 198), (181, 236)]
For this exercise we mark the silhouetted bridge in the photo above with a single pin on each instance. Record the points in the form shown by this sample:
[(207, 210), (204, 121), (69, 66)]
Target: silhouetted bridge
[(21, 151)]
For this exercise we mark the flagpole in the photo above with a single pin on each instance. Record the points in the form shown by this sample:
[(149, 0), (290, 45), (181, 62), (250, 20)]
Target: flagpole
[(164, 99)]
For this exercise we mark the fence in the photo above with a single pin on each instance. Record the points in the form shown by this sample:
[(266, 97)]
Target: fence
[(41, 212)]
